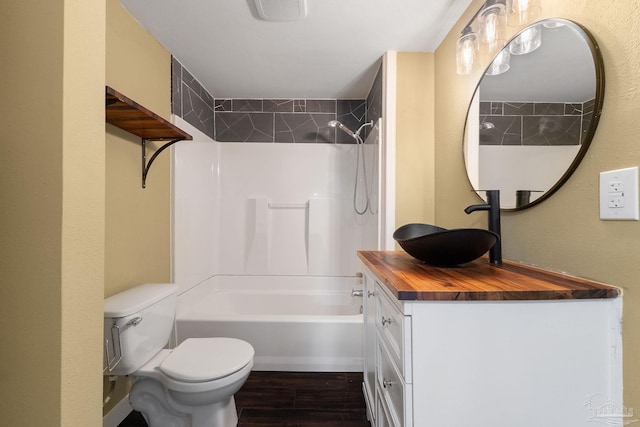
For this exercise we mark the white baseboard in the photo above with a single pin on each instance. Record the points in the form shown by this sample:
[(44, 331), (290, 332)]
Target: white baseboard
[(116, 415)]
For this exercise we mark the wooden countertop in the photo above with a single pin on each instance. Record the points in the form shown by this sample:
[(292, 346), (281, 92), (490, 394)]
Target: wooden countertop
[(411, 280)]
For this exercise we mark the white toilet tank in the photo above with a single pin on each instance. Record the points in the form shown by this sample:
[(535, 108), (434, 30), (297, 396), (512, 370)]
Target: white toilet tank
[(137, 325)]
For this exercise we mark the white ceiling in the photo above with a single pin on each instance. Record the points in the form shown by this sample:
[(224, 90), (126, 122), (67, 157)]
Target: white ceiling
[(332, 53)]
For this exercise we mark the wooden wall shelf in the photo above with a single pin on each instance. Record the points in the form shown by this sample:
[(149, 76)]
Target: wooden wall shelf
[(128, 115)]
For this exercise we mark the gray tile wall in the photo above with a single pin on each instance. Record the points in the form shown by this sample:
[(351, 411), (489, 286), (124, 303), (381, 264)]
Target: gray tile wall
[(190, 100), (287, 120), (534, 123), (374, 98), (263, 120)]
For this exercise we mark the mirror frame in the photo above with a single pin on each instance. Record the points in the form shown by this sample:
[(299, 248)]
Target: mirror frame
[(598, 64)]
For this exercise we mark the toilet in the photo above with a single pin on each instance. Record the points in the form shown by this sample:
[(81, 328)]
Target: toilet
[(191, 385)]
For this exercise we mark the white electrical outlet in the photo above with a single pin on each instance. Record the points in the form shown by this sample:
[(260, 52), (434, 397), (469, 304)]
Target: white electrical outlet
[(619, 194)]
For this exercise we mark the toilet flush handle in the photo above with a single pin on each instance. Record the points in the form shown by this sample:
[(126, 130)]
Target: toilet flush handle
[(134, 322), (112, 362), (114, 359)]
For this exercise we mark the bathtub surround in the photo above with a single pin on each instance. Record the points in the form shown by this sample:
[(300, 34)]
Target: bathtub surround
[(275, 215), (262, 120), (194, 225), (267, 209), (240, 196)]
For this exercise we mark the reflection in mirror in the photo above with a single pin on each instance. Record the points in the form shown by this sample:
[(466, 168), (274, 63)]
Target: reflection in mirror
[(531, 120)]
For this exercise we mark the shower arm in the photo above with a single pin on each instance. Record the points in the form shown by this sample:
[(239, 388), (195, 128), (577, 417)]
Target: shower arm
[(369, 123)]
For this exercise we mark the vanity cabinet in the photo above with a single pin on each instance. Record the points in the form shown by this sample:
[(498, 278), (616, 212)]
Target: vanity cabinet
[(483, 345), (387, 351), (369, 342), (393, 356)]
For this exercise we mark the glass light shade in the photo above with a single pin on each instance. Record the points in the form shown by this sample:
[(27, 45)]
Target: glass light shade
[(500, 63), (552, 24), (521, 12), (492, 21), (526, 42), (466, 53)]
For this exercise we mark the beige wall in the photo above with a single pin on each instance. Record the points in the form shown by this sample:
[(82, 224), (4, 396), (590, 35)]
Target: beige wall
[(52, 219), (564, 233), (137, 219), (415, 161), (137, 248)]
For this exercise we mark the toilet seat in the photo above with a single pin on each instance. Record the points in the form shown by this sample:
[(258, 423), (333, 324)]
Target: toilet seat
[(206, 359), (205, 352)]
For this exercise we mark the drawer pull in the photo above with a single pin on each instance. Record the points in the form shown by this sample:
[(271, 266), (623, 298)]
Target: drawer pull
[(386, 384), (371, 294), (386, 321)]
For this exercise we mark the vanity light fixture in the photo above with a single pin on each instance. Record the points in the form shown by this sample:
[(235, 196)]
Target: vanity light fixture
[(466, 51), (491, 21), (527, 41), (551, 24), (521, 12), (500, 64)]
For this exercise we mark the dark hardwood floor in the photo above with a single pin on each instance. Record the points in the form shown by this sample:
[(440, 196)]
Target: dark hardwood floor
[(301, 399)]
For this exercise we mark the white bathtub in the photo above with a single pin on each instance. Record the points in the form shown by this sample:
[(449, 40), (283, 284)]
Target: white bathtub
[(295, 323)]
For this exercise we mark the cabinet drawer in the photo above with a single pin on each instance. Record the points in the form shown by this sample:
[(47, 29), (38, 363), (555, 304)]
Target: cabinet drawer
[(393, 389), (395, 329), (383, 419)]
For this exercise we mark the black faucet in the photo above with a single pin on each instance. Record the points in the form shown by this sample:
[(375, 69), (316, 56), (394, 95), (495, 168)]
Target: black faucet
[(493, 208)]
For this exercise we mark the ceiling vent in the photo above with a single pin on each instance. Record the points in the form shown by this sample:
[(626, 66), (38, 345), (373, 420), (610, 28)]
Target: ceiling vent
[(281, 10)]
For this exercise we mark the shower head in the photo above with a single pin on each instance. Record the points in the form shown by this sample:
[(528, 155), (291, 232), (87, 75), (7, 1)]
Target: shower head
[(337, 124)]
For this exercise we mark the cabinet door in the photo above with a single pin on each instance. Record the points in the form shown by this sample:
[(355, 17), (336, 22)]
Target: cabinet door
[(395, 330), (392, 388), (382, 416), (369, 307)]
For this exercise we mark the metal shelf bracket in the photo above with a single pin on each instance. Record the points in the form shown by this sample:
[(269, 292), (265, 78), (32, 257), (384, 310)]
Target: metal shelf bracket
[(146, 166)]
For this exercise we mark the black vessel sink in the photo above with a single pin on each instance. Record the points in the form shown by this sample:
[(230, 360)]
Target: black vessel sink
[(441, 247)]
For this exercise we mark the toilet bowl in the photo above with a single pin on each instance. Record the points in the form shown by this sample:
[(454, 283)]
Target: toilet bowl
[(191, 385), (198, 379)]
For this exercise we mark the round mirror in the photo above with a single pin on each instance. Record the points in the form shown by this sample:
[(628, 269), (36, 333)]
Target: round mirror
[(534, 113)]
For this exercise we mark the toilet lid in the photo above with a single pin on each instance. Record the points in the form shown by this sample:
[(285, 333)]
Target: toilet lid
[(205, 359)]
